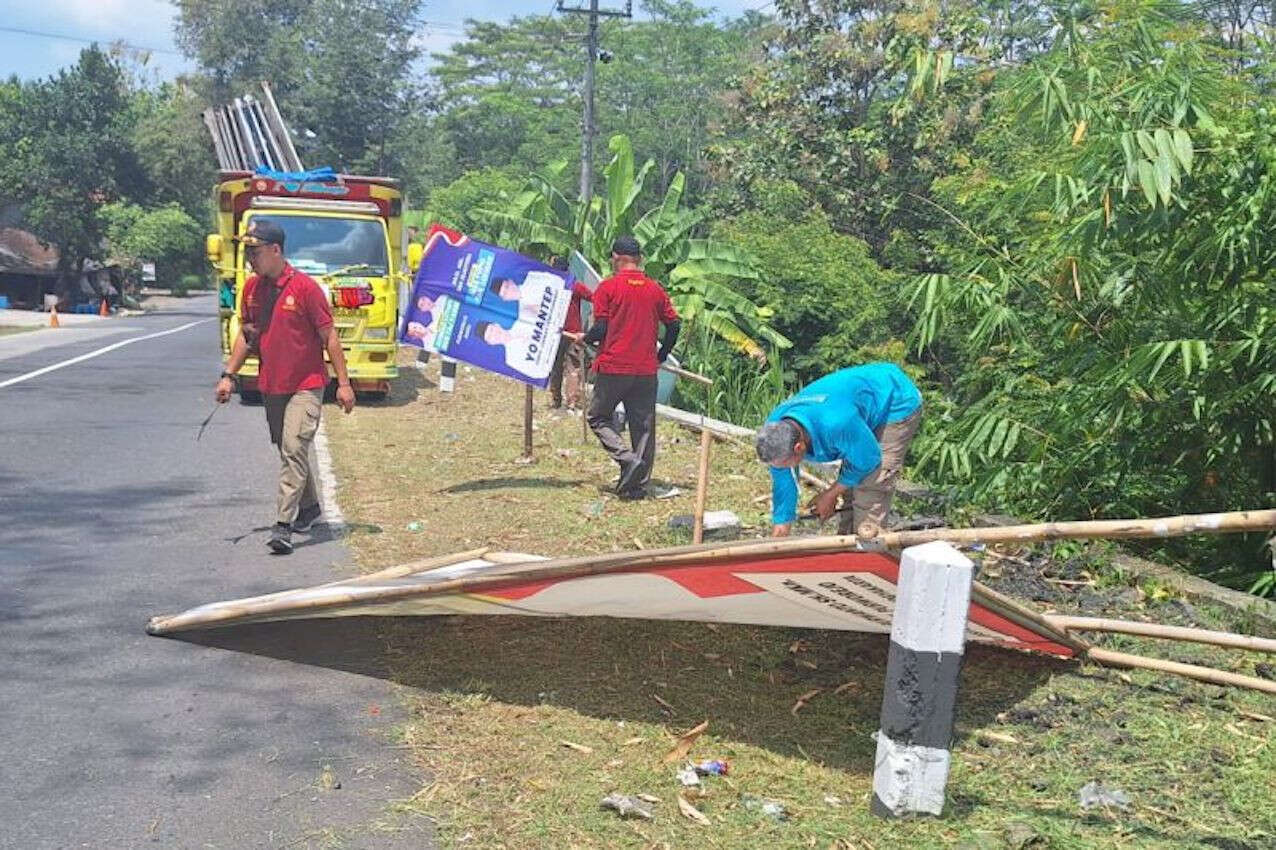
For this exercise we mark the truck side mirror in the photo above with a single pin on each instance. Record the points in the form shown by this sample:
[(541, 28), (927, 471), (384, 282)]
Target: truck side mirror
[(213, 248), (416, 252)]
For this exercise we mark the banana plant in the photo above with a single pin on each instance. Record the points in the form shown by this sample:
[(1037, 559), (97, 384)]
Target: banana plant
[(699, 274)]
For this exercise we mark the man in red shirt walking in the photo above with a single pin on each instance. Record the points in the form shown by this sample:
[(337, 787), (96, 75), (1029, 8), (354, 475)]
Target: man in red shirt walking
[(285, 319), (628, 307)]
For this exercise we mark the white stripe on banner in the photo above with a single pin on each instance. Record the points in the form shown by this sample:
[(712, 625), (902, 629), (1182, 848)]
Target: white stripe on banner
[(909, 778), (933, 599), (62, 365)]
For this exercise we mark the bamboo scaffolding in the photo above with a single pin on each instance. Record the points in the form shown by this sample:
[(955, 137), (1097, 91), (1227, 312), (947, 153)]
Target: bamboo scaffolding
[(1156, 630), (1109, 658)]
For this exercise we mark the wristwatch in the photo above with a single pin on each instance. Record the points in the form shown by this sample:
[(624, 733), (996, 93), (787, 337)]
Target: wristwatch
[(233, 377)]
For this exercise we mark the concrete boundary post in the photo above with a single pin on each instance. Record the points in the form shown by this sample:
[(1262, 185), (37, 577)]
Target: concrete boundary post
[(447, 375), (927, 643)]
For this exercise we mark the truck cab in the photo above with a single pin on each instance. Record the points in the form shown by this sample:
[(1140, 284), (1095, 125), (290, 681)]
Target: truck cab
[(347, 234)]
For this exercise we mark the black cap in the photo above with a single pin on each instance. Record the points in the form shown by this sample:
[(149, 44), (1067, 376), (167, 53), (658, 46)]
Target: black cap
[(263, 232), (626, 246)]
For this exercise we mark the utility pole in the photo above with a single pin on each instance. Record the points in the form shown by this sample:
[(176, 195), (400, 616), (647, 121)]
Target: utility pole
[(587, 131)]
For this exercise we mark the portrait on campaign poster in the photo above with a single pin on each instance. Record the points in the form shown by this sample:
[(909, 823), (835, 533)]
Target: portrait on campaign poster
[(487, 306)]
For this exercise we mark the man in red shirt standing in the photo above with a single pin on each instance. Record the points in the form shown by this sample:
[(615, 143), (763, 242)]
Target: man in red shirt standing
[(285, 319), (628, 306)]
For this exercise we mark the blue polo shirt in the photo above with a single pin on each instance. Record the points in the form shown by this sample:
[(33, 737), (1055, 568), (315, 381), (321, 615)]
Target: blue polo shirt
[(841, 411)]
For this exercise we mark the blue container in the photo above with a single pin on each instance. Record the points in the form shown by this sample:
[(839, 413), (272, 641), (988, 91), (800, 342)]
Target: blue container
[(665, 381), (4, 302)]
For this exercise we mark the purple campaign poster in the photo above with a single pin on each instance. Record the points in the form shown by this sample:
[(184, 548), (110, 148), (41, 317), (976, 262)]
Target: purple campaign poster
[(487, 306)]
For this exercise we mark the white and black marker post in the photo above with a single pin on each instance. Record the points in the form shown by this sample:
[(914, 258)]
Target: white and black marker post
[(447, 374), (927, 641)]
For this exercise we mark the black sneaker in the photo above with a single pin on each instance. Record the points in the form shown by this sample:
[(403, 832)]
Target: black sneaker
[(306, 517), (280, 541), (634, 495)]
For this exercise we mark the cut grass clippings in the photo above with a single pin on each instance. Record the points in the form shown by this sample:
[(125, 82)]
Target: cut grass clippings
[(493, 699)]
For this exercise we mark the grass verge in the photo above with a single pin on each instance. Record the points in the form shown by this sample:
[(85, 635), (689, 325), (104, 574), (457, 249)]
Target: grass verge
[(493, 700)]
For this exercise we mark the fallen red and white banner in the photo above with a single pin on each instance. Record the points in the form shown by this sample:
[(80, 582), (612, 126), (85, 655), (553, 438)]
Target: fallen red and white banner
[(848, 590)]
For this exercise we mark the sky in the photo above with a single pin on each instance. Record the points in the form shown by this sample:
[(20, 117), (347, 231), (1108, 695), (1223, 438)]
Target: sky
[(37, 37)]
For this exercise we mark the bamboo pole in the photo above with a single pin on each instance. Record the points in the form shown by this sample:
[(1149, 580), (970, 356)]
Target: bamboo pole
[(1110, 658), (1024, 616), (1156, 630), (690, 376), (1116, 529), (702, 486), (265, 605)]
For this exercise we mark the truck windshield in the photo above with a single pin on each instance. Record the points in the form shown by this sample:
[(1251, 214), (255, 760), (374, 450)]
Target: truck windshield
[(317, 245)]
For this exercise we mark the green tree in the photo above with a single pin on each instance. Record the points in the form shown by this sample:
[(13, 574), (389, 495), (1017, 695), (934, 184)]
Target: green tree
[(509, 95), (458, 205), (341, 70), (865, 104), (1103, 316), (165, 235), (65, 151), (174, 150)]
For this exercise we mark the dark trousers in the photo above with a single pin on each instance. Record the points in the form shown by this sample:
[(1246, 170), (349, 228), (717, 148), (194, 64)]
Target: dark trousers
[(638, 393)]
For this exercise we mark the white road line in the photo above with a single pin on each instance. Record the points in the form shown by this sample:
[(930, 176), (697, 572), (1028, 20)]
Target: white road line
[(44, 371), (328, 482)]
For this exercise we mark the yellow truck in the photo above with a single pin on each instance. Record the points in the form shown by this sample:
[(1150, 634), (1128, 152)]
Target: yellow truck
[(347, 234)]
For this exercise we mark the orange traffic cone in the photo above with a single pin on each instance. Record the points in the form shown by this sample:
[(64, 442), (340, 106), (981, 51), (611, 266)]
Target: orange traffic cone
[(53, 317), (104, 310)]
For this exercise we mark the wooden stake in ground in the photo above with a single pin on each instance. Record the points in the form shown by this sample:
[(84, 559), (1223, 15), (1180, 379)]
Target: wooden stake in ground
[(527, 422), (702, 486), (702, 475)]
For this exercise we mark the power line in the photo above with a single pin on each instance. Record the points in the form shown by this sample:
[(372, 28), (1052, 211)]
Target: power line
[(82, 40)]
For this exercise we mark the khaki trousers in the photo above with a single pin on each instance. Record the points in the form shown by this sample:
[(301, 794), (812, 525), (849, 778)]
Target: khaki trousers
[(293, 420), (871, 500)]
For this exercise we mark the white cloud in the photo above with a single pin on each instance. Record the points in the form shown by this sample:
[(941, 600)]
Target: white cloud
[(148, 22)]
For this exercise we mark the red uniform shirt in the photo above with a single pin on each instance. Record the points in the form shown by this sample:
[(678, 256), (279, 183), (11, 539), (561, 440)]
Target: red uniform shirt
[(580, 292), (633, 305), (291, 350)]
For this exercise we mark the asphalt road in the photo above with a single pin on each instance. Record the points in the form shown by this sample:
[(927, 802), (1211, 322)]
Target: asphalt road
[(111, 512)]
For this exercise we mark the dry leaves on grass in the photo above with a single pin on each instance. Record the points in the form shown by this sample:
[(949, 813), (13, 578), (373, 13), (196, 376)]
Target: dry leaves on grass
[(683, 746), (691, 811), (580, 748), (804, 699)]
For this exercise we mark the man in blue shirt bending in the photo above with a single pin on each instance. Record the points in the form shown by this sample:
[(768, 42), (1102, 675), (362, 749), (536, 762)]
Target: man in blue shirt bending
[(865, 417)]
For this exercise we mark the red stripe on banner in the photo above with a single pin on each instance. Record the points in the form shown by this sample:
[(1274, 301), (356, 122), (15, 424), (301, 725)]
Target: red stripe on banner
[(710, 580), (1026, 638)]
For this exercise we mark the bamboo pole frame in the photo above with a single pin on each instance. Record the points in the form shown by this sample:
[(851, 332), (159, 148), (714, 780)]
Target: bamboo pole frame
[(1110, 658), (1156, 630)]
